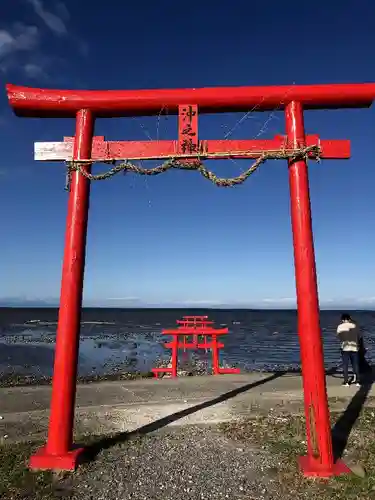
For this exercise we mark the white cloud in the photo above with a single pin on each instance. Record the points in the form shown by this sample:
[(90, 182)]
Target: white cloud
[(62, 10), (6, 41), (283, 300), (54, 22), (19, 38), (202, 302), (34, 71), (366, 300), (125, 299), (57, 22), (21, 45)]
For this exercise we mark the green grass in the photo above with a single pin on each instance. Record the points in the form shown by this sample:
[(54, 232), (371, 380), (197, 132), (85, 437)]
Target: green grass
[(284, 436), (16, 481)]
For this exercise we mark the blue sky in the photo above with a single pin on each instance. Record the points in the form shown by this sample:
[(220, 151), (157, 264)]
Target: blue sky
[(176, 239)]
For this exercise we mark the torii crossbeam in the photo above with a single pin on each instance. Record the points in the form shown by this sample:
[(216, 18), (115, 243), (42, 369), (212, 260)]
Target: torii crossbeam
[(86, 106), (107, 151)]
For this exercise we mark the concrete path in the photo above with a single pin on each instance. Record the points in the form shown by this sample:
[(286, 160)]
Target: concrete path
[(128, 405)]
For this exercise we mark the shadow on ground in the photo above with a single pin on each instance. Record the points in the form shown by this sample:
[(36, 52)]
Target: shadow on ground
[(340, 432), (95, 448), (344, 425)]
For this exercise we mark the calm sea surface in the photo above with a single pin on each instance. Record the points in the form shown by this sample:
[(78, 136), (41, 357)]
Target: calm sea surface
[(131, 340)]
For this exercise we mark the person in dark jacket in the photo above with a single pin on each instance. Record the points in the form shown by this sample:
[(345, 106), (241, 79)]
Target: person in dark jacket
[(349, 335)]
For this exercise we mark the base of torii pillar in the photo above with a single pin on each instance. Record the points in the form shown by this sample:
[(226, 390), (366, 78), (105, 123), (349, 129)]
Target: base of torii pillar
[(310, 468)]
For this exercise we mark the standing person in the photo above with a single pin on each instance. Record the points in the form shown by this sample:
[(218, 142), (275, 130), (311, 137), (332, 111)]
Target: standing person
[(349, 335)]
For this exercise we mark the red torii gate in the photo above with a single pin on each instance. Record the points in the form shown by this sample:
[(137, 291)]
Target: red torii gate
[(196, 327), (85, 106)]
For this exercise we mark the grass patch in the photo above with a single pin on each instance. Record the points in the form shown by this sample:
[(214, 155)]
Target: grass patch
[(16, 481), (284, 437)]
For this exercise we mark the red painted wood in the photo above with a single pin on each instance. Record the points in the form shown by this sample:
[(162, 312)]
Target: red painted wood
[(319, 440), (59, 449), (197, 328), (56, 103), (131, 150), (188, 142)]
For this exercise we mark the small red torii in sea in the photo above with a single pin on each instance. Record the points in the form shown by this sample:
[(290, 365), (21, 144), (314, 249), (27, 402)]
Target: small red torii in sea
[(196, 327)]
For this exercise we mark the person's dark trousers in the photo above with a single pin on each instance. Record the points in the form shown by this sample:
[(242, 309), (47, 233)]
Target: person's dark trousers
[(353, 358)]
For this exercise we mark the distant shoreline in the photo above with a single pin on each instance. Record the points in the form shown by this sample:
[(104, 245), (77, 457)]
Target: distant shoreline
[(178, 308)]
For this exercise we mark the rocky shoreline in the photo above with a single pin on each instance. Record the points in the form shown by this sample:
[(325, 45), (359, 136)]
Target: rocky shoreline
[(194, 368), (15, 380)]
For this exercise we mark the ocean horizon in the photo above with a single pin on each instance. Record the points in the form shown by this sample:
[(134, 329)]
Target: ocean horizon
[(123, 340), (188, 308)]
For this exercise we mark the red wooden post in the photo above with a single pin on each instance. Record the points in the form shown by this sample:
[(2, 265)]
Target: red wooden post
[(319, 460), (215, 355), (58, 452), (174, 355)]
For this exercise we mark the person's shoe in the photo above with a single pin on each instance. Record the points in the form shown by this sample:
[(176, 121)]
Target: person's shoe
[(345, 384), (358, 384)]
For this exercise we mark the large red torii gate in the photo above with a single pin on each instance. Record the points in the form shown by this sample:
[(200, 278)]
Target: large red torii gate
[(85, 106)]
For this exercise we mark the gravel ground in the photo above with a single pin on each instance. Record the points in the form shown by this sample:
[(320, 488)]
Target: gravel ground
[(197, 463)]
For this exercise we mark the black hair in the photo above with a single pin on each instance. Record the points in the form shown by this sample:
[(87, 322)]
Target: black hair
[(346, 317)]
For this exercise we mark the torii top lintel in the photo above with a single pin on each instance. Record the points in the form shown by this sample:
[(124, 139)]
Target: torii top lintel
[(54, 103)]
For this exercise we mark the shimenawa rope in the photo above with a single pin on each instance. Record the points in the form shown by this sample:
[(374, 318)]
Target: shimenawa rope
[(182, 164)]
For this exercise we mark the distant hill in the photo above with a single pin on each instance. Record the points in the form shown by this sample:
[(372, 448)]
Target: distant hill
[(21, 302), (137, 304)]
